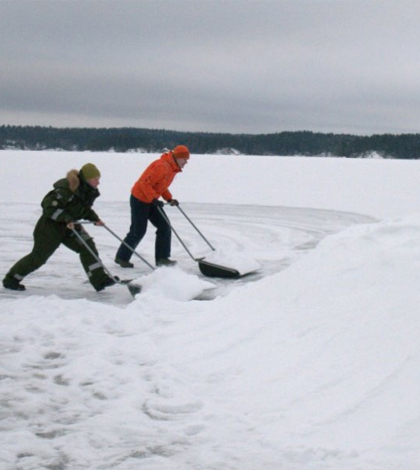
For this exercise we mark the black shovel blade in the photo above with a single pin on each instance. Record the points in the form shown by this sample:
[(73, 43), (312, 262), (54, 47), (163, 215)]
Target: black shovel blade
[(215, 270), (134, 289)]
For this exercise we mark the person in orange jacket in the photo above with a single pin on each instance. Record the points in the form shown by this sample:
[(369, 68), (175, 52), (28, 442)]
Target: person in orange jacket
[(145, 205)]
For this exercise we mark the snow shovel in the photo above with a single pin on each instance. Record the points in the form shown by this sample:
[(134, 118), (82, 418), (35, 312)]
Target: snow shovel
[(134, 289), (207, 268)]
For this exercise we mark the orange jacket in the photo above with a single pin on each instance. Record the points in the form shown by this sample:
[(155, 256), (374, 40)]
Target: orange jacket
[(156, 179)]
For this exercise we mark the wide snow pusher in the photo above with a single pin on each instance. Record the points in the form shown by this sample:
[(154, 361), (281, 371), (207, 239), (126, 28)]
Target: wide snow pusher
[(216, 264)]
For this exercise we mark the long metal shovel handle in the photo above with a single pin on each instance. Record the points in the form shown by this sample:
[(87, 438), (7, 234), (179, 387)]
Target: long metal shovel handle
[(198, 231), (162, 212), (94, 254), (129, 247), (122, 241)]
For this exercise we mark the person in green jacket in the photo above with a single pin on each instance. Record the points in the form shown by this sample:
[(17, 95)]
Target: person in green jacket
[(71, 199)]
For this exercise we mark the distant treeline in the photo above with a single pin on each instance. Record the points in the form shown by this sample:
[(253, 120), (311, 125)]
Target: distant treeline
[(403, 146)]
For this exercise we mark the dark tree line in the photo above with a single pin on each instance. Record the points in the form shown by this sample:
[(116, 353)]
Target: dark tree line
[(306, 143)]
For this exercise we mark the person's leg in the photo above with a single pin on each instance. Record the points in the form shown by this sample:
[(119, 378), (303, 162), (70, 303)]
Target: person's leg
[(94, 270), (48, 236), (138, 227), (163, 234)]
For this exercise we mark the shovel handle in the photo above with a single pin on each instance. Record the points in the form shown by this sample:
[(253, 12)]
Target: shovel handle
[(83, 242), (198, 231), (121, 240), (128, 246), (162, 212)]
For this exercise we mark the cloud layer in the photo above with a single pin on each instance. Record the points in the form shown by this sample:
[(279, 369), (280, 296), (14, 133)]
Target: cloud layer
[(214, 66)]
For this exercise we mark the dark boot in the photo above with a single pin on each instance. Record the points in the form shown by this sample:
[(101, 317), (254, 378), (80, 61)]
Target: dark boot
[(165, 262), (124, 264), (107, 283), (13, 284)]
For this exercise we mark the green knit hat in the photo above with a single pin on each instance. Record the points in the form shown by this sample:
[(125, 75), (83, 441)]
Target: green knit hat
[(90, 171)]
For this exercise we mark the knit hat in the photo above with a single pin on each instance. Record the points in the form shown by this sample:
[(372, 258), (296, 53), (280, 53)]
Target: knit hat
[(181, 151), (90, 171)]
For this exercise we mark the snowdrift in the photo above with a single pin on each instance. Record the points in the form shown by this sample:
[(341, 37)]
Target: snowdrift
[(315, 367)]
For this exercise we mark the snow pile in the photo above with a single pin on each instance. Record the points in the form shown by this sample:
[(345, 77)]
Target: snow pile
[(323, 358), (315, 367), (173, 284), (350, 318)]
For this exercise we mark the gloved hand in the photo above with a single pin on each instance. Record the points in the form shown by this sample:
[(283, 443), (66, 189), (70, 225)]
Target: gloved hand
[(173, 202), (157, 203)]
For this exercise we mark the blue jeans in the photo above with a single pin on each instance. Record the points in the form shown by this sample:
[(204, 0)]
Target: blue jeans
[(141, 213)]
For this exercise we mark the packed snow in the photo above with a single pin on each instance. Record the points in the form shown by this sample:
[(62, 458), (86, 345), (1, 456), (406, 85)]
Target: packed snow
[(309, 362), (172, 283)]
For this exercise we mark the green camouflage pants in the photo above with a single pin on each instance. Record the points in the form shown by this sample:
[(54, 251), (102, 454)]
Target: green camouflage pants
[(48, 236)]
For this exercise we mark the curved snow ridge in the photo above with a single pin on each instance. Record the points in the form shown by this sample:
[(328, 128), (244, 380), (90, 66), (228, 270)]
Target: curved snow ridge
[(342, 324), (361, 257)]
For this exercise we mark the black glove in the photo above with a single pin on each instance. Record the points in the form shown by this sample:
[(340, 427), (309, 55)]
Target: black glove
[(173, 202), (157, 203)]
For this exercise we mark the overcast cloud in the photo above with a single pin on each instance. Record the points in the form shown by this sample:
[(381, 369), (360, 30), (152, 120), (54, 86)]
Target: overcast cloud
[(237, 66)]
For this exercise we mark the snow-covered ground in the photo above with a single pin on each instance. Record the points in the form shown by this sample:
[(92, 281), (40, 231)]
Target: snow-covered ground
[(310, 363)]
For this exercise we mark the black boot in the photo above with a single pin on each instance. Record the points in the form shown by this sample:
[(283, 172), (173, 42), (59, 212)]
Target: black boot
[(124, 264), (165, 262), (13, 284), (106, 283)]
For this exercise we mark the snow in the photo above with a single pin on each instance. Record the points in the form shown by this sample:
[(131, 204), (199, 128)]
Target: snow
[(171, 283), (310, 363)]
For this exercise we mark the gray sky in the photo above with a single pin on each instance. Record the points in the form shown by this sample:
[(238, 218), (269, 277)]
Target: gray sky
[(237, 66)]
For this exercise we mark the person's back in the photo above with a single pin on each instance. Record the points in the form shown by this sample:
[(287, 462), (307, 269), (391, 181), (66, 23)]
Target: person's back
[(156, 179)]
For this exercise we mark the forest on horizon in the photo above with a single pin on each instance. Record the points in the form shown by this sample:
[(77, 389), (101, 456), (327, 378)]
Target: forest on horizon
[(290, 143)]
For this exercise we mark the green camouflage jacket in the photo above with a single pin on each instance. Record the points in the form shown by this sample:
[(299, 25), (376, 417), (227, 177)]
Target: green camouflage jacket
[(71, 199)]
